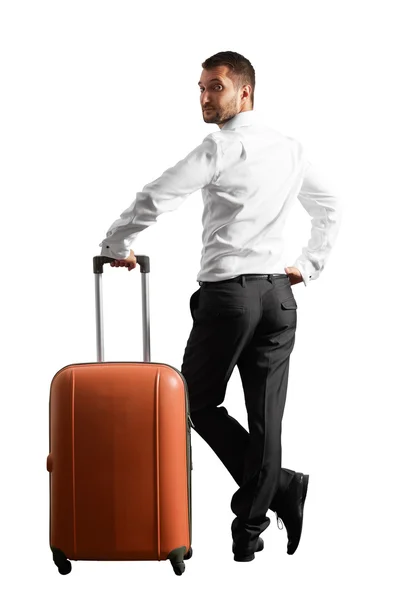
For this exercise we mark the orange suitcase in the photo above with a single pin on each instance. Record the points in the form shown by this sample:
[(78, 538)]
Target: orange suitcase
[(120, 455)]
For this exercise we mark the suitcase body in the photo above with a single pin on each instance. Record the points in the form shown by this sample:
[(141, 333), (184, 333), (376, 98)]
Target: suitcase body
[(120, 459)]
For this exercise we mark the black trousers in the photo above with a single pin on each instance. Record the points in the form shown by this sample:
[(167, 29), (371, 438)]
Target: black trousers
[(249, 321)]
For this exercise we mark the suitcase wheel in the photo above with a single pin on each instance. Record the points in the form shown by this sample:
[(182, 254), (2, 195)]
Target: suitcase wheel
[(61, 561), (65, 568), (179, 568), (189, 554), (177, 557)]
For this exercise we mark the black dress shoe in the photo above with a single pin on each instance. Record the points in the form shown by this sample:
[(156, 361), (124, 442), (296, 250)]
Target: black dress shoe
[(246, 557), (290, 509)]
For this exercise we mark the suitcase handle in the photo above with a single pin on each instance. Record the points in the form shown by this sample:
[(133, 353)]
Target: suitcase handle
[(99, 261), (144, 262)]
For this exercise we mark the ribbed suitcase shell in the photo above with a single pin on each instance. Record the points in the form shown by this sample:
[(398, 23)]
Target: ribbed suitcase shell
[(120, 461)]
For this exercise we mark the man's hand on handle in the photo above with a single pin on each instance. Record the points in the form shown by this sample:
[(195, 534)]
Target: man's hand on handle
[(129, 262), (294, 275)]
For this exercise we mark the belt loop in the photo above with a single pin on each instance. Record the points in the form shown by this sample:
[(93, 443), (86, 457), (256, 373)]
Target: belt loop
[(243, 281)]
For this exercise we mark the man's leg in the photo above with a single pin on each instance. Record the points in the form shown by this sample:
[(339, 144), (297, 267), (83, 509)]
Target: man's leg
[(213, 349), (264, 369)]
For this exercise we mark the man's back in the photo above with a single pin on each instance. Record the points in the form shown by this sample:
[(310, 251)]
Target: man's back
[(259, 173)]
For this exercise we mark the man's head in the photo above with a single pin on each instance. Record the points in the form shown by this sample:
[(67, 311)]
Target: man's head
[(227, 85)]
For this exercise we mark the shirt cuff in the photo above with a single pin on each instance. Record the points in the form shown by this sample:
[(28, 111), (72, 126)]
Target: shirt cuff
[(308, 272), (116, 251)]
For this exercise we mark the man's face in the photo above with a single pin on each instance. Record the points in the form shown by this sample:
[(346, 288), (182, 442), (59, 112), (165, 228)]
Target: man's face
[(217, 93)]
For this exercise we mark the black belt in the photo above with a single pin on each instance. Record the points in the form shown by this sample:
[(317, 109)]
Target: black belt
[(241, 278)]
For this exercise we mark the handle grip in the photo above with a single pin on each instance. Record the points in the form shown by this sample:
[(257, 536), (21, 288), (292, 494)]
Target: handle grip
[(100, 261)]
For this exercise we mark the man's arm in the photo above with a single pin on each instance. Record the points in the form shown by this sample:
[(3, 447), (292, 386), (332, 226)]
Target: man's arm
[(325, 208), (165, 194)]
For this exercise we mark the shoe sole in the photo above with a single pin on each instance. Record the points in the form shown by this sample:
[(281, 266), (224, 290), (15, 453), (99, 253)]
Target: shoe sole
[(305, 487), (304, 493)]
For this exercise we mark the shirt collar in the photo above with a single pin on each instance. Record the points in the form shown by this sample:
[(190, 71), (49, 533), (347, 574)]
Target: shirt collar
[(242, 119)]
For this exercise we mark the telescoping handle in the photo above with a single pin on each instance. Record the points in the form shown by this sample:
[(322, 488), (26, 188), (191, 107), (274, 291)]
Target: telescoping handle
[(144, 262)]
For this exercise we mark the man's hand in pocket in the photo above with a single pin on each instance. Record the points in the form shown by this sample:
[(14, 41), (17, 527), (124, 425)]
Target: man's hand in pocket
[(294, 275)]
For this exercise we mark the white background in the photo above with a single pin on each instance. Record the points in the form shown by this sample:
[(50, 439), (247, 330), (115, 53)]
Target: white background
[(100, 98)]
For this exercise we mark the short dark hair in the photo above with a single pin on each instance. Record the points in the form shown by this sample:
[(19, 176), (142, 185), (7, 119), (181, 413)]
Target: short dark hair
[(241, 71)]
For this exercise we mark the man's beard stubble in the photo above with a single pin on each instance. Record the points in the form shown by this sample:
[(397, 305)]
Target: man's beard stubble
[(220, 117)]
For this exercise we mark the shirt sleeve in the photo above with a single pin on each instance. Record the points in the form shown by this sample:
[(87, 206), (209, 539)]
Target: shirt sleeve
[(323, 204), (165, 194)]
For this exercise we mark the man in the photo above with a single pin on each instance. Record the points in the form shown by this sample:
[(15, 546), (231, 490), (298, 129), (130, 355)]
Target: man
[(244, 312)]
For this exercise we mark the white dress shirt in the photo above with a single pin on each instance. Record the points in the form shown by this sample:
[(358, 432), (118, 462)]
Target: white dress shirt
[(250, 176)]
